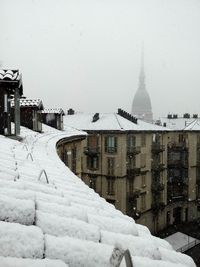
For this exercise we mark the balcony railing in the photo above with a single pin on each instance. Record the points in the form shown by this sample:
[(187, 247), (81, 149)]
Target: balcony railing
[(178, 198), (91, 151), (177, 147), (133, 150), (159, 167), (133, 172), (157, 148), (134, 194), (177, 163)]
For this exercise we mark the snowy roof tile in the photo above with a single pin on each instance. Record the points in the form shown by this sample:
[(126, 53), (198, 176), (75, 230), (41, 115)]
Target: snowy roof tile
[(53, 111), (108, 122), (26, 102), (60, 221), (179, 123), (9, 75), (11, 79)]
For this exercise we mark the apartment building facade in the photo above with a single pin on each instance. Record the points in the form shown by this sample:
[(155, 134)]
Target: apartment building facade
[(134, 165)]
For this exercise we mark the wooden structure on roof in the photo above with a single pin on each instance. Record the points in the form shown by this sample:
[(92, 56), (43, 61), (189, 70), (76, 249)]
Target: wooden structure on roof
[(30, 112), (10, 88), (53, 117)]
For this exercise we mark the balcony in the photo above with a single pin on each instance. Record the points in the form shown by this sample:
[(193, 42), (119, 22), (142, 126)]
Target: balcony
[(91, 151), (133, 150), (157, 187), (179, 198), (133, 172), (181, 146), (133, 195), (177, 163), (157, 167), (157, 148), (110, 149)]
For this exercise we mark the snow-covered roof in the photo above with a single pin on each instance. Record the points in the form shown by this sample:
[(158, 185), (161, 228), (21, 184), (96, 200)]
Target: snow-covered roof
[(50, 218), (176, 123), (193, 126), (26, 102), (10, 75), (10, 80), (182, 242), (108, 122), (53, 111)]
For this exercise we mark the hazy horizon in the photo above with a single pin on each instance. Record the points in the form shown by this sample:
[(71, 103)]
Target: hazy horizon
[(86, 54)]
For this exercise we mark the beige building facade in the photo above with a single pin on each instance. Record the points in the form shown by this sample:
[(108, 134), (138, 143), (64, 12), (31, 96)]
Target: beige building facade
[(148, 174)]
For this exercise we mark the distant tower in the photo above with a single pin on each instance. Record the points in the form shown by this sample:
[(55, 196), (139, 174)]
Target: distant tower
[(141, 107)]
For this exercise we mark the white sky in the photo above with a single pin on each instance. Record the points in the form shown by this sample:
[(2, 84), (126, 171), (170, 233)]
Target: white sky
[(85, 54)]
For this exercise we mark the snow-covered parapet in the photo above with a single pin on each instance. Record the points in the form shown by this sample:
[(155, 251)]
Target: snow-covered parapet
[(49, 217)]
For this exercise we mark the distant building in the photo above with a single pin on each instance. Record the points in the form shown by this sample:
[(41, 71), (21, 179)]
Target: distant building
[(148, 172), (176, 122), (31, 113), (53, 117), (121, 159), (10, 88), (141, 106)]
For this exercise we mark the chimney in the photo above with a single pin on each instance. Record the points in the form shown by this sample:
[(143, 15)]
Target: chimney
[(70, 111), (95, 117)]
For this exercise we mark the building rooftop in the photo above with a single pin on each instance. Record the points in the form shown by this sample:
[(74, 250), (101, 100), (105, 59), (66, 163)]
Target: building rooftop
[(193, 126), (50, 218), (10, 80), (27, 102), (53, 111), (108, 122), (177, 123), (9, 75)]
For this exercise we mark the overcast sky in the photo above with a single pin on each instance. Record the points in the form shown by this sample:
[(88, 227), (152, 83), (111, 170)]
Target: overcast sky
[(85, 54)]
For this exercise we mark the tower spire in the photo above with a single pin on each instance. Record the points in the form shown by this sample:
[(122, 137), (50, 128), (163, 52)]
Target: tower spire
[(141, 106), (142, 73)]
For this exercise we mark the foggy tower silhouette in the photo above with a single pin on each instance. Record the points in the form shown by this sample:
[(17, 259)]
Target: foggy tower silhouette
[(141, 106)]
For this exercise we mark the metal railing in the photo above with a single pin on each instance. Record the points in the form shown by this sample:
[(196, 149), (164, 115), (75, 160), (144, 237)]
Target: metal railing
[(157, 148), (133, 150), (89, 150), (117, 257)]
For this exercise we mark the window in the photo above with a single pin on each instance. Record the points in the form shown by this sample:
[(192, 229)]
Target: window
[(131, 163), (143, 201), (65, 157), (111, 144), (131, 186), (143, 139), (111, 166), (143, 160), (143, 180), (92, 163), (156, 138), (93, 183), (181, 138), (74, 159), (131, 141), (111, 185), (174, 156)]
